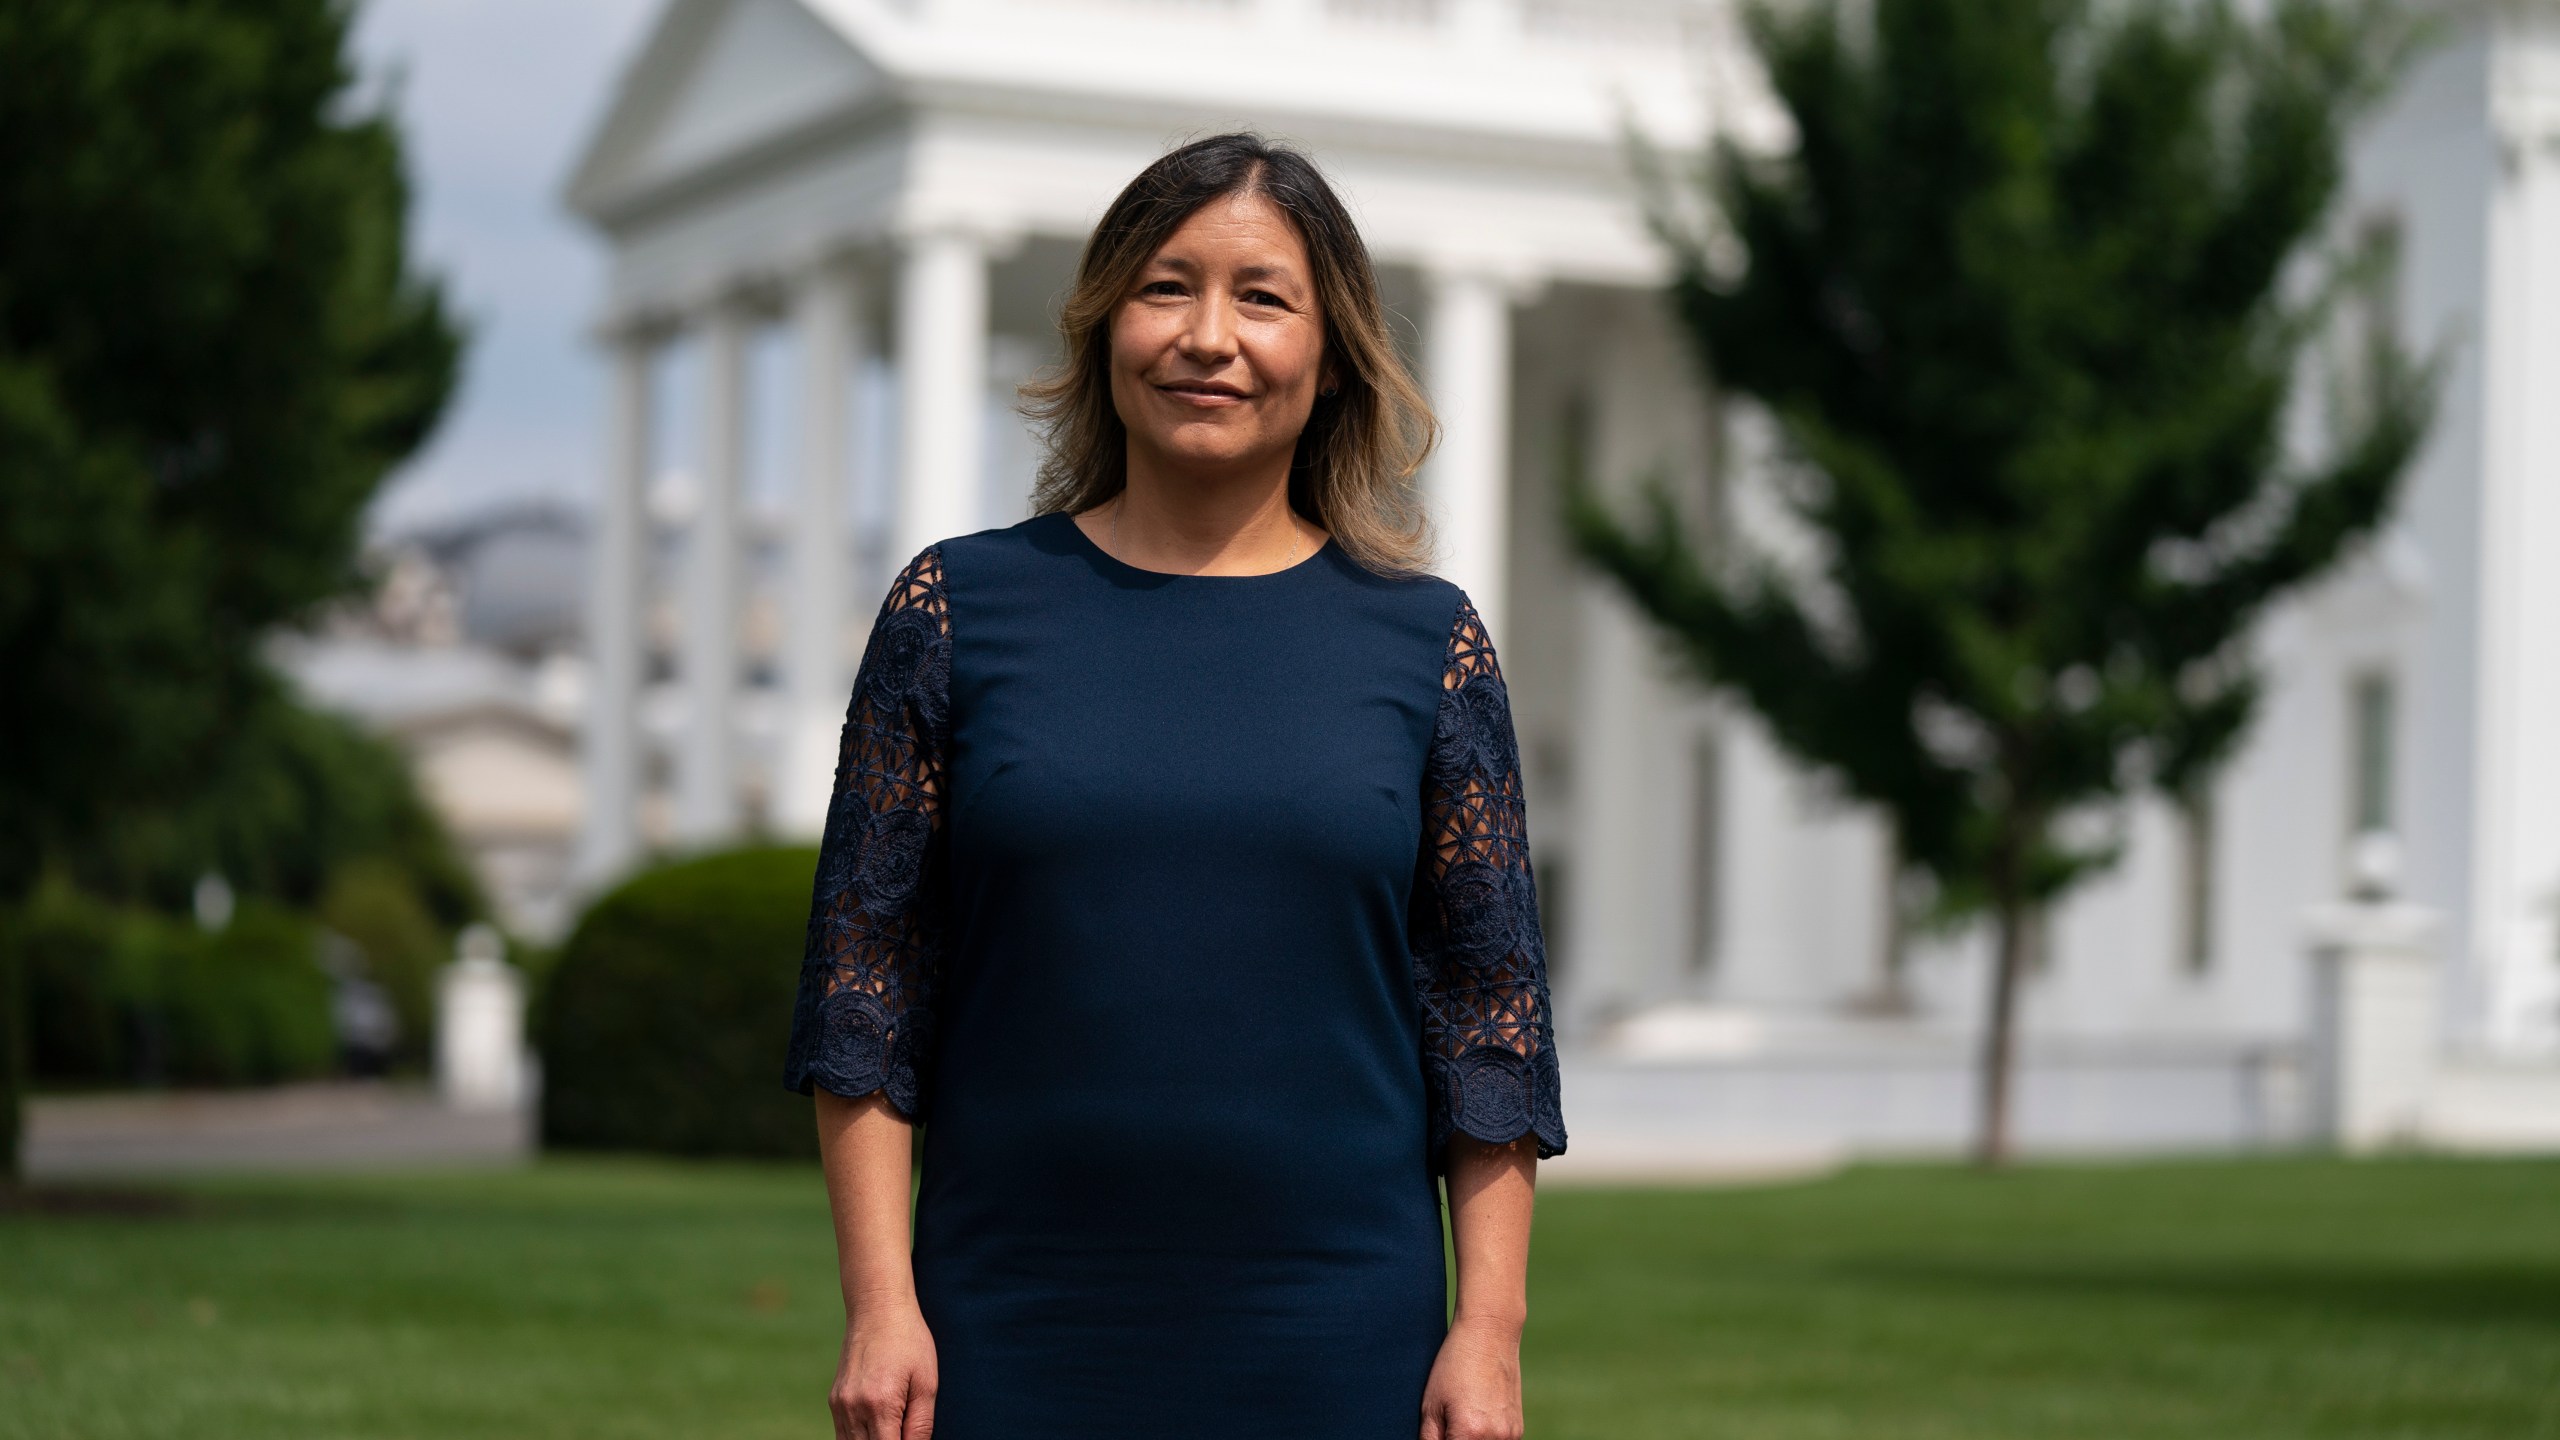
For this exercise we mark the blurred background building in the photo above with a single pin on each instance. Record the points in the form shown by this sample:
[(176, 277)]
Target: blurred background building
[(838, 230), (470, 654)]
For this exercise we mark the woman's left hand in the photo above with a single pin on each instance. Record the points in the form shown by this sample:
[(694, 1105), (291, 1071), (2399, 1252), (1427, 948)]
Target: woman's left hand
[(1474, 1392)]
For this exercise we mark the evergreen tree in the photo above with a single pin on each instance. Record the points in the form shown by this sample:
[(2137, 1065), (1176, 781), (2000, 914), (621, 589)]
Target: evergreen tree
[(212, 350), (2027, 298)]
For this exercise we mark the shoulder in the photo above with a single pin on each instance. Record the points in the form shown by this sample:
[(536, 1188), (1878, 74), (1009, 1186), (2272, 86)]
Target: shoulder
[(1423, 600), (1454, 621), (1459, 636), (986, 556), (1037, 534), (1440, 632)]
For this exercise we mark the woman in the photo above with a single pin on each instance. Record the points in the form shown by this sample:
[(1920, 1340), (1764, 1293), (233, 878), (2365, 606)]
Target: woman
[(1176, 875)]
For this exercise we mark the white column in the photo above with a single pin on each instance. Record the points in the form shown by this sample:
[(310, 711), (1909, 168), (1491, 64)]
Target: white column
[(942, 383), (1625, 946), (610, 834), (707, 800), (820, 556), (2515, 896), (1629, 941), (1467, 362)]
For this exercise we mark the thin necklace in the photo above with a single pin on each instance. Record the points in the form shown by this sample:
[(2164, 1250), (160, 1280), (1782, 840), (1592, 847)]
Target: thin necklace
[(1297, 551)]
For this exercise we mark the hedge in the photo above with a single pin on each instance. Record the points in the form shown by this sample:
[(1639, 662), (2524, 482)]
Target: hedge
[(117, 994), (664, 1023)]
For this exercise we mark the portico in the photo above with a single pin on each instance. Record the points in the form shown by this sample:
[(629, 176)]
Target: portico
[(909, 204)]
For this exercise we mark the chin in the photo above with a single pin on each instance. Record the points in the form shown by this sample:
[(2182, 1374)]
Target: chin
[(1208, 456), (1207, 445)]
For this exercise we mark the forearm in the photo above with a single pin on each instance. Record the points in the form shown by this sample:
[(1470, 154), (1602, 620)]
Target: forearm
[(867, 1150), (1492, 1190)]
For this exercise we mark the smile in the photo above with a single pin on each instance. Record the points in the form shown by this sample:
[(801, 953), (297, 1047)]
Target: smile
[(1203, 393)]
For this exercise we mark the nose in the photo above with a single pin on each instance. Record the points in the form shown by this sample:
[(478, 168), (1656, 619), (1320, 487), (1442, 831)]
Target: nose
[(1210, 337)]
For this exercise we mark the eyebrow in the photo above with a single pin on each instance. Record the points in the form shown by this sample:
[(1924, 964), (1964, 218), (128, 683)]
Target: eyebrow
[(1248, 272)]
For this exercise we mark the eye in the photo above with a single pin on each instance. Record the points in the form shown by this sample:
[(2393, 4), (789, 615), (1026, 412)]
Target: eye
[(1161, 287), (1264, 297)]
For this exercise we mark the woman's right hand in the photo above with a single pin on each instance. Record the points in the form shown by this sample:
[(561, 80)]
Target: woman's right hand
[(886, 1382)]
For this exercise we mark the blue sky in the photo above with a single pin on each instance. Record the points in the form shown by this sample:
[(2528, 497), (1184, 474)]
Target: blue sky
[(496, 97)]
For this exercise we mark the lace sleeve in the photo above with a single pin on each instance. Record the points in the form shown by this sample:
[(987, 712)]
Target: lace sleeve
[(872, 958), (1479, 961)]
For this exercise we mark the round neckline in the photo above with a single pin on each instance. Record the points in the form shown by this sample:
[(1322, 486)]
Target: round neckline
[(1094, 548)]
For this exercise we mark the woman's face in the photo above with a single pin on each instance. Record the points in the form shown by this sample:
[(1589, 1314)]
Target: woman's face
[(1218, 348)]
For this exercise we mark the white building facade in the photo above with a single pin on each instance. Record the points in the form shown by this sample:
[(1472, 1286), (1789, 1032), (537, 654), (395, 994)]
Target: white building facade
[(838, 232)]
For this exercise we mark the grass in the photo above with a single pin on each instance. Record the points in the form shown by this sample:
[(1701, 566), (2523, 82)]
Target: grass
[(2261, 1300), (632, 1299)]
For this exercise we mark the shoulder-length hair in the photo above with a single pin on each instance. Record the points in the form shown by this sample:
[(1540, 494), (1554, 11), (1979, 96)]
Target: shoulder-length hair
[(1356, 460)]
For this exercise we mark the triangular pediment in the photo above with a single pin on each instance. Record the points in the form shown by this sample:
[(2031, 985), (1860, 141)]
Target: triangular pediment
[(716, 79)]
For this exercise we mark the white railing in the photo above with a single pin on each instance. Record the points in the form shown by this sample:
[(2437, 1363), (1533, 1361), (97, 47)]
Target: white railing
[(1603, 24), (1630, 23), (1414, 13)]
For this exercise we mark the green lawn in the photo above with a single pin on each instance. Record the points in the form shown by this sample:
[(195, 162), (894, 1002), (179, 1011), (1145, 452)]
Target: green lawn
[(611, 1299)]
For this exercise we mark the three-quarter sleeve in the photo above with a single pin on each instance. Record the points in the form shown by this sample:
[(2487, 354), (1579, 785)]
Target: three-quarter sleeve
[(878, 914), (1479, 958)]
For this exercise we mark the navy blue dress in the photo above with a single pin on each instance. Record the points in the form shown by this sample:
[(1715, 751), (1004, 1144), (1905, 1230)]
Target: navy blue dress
[(1191, 915)]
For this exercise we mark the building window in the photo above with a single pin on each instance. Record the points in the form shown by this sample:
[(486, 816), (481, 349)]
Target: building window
[(2372, 715), (1904, 898), (2196, 833), (1553, 875), (1706, 851), (1550, 779), (2035, 940), (2364, 329)]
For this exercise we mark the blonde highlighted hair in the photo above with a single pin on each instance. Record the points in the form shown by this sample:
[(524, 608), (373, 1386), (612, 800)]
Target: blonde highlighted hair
[(1354, 471)]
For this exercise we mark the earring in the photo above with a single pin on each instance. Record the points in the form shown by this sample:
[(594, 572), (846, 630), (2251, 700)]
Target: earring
[(1330, 391)]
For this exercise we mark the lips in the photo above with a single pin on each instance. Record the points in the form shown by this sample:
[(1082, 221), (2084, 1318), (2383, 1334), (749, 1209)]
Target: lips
[(1205, 390)]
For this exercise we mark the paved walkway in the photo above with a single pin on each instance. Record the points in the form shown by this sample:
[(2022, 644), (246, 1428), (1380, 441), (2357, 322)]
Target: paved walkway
[(374, 1125), (331, 1126)]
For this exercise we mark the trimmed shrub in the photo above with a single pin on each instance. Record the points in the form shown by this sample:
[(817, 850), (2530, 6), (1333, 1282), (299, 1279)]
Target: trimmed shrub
[(117, 995), (80, 1020), (249, 1005), (664, 1024)]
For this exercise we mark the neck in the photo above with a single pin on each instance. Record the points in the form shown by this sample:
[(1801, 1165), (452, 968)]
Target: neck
[(1236, 523)]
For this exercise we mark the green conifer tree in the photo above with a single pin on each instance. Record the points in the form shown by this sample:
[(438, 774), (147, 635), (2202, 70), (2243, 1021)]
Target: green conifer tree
[(213, 349), (2027, 297)]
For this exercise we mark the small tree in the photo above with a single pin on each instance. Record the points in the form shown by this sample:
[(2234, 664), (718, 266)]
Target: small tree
[(2027, 297)]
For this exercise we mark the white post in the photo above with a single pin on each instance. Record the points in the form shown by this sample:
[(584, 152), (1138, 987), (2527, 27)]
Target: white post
[(1467, 360), (480, 1052), (610, 833), (707, 800), (2373, 1023), (820, 556), (942, 380)]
